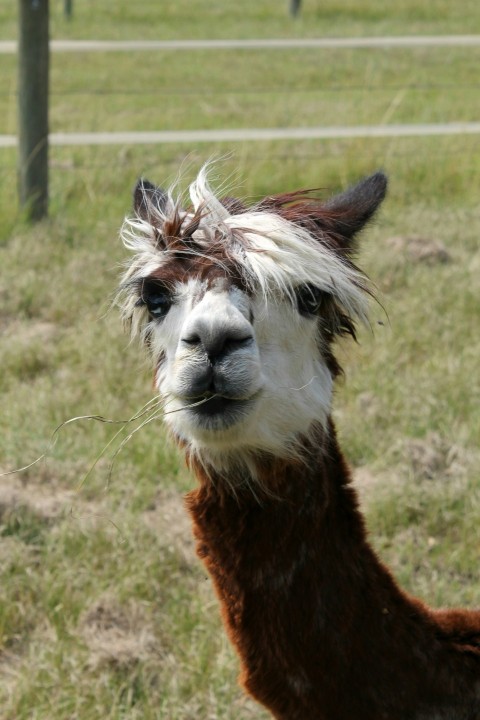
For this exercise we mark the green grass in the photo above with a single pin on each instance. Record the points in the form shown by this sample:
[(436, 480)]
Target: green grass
[(104, 611), (268, 18), (231, 89)]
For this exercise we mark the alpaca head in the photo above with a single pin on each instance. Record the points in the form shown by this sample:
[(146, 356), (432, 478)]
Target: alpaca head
[(239, 306)]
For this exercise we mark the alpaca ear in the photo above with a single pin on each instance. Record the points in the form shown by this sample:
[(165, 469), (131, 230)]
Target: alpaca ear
[(149, 200), (350, 211)]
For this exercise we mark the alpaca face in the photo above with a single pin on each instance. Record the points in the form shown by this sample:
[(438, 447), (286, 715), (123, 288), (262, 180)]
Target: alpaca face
[(237, 371), (239, 308)]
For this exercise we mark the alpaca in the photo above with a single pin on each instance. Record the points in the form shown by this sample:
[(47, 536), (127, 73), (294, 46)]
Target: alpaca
[(239, 307)]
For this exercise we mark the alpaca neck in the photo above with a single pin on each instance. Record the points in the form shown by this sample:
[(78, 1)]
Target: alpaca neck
[(304, 598), (289, 514)]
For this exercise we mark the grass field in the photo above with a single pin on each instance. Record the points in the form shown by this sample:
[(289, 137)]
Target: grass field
[(267, 18), (104, 611), (92, 92)]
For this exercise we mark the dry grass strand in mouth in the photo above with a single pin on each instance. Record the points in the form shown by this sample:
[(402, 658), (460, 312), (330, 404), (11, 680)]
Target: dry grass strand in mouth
[(154, 408), (155, 403), (98, 418), (155, 416)]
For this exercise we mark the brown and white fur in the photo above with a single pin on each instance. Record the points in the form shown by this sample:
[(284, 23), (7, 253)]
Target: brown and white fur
[(239, 307)]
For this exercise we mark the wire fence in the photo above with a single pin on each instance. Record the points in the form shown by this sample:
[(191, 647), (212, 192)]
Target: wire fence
[(284, 91), (339, 151)]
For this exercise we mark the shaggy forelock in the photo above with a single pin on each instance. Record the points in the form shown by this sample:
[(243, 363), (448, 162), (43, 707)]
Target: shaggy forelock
[(269, 253)]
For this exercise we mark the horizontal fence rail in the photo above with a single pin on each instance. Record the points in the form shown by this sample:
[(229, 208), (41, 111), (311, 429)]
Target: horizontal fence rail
[(255, 134), (8, 47)]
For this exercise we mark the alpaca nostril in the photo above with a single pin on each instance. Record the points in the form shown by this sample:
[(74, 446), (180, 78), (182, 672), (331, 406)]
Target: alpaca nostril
[(222, 345), (192, 340), (232, 344), (217, 345)]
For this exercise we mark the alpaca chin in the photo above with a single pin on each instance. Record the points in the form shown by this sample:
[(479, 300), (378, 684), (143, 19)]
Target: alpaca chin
[(216, 422), (219, 413), (270, 422)]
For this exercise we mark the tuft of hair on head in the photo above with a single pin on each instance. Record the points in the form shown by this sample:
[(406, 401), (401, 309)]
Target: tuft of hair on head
[(276, 245)]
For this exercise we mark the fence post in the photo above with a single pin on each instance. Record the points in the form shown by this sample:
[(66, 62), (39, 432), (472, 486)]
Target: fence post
[(33, 64), (295, 7)]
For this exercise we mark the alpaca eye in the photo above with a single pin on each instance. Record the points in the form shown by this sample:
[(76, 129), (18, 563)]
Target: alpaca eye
[(158, 305), (157, 301), (310, 299)]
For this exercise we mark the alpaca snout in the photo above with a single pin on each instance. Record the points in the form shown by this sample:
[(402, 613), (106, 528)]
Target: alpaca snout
[(234, 376)]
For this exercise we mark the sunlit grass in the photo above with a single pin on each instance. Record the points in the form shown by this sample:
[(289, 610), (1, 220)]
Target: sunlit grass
[(104, 610), (233, 89), (267, 18)]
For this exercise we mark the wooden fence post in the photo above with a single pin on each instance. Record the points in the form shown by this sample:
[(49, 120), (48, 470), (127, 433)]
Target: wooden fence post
[(295, 7), (33, 64)]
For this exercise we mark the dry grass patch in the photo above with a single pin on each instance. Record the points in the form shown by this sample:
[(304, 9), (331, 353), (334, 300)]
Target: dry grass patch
[(420, 249), (117, 635), (167, 517), (434, 457), (47, 502), (424, 514)]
